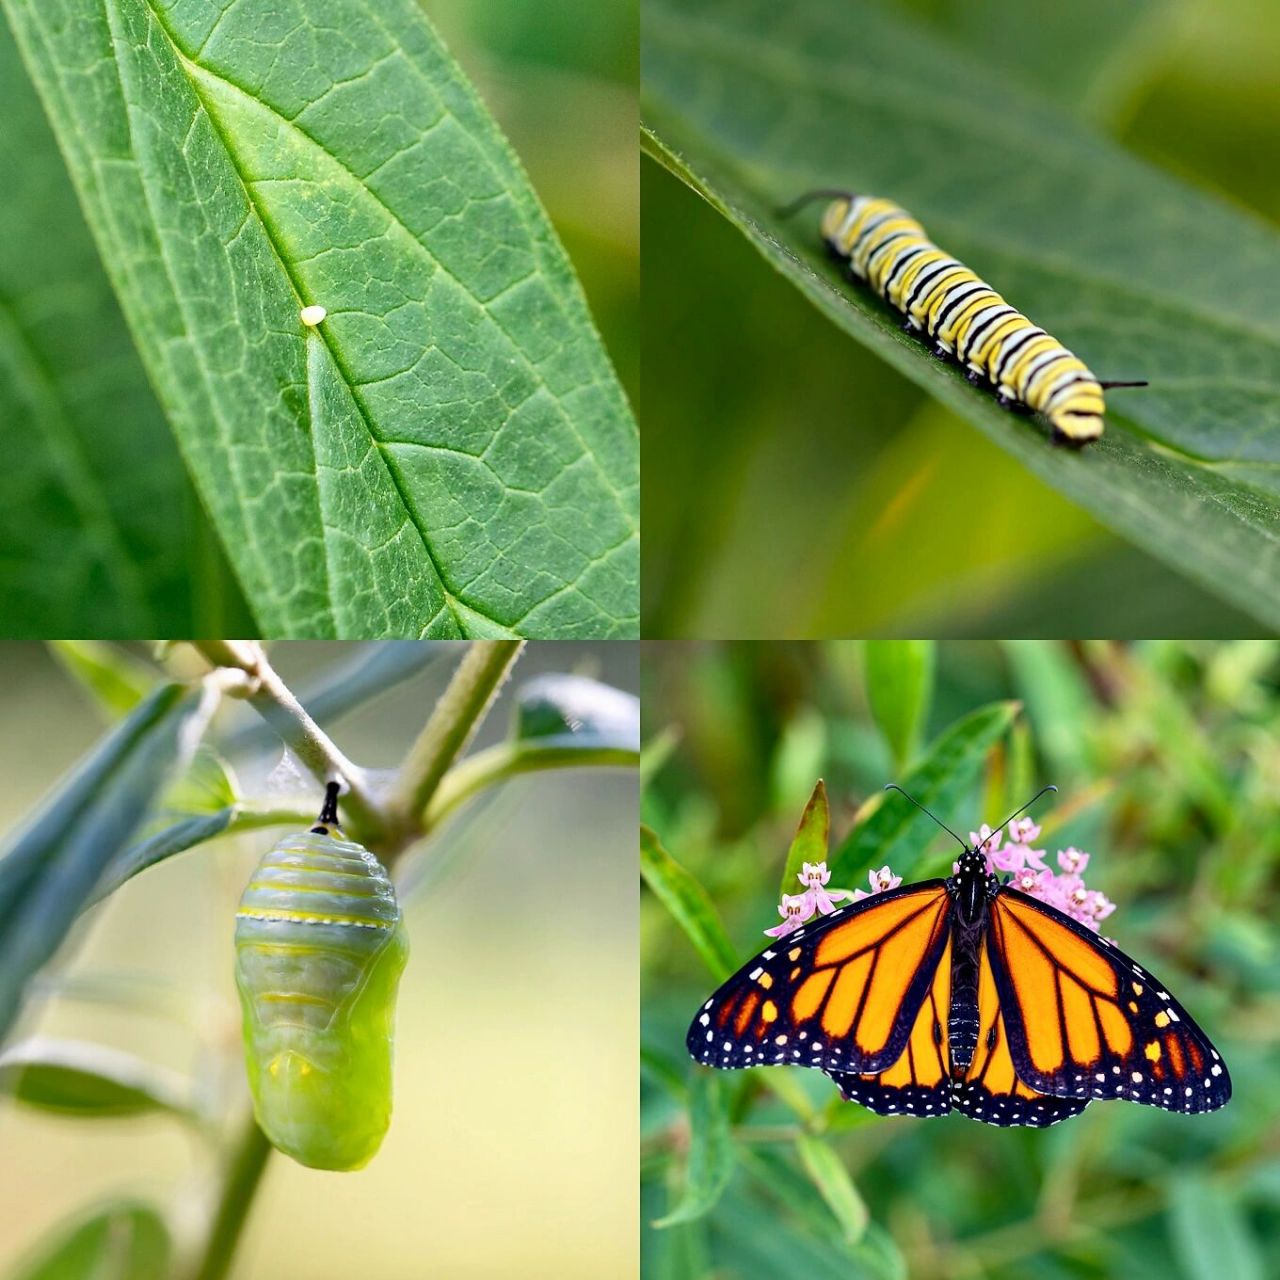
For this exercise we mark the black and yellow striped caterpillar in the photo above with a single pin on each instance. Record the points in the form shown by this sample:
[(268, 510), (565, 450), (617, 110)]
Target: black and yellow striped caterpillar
[(320, 946), (968, 321)]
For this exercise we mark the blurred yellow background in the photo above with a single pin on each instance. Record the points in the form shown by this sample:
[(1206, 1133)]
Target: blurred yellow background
[(512, 1147)]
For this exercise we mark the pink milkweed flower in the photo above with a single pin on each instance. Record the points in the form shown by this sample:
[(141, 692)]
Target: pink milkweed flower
[(1073, 861), (1016, 857), (984, 840), (815, 877), (1031, 881), (880, 881), (1097, 908), (795, 909), (1023, 831)]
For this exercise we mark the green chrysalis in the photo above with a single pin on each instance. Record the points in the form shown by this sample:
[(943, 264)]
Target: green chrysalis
[(320, 947)]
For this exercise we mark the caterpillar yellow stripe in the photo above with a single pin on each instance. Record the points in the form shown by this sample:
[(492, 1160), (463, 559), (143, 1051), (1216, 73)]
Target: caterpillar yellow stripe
[(967, 320)]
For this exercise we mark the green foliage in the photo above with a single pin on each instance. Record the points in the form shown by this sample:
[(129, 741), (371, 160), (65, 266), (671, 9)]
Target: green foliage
[(688, 903), (899, 686), (711, 1155), (449, 453), (1131, 269), (89, 1081), (123, 1241), (51, 871), (83, 555), (810, 841), (1165, 754), (897, 832)]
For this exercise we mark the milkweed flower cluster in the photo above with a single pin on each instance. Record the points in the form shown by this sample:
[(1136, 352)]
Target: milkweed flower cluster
[(799, 908), (1064, 889)]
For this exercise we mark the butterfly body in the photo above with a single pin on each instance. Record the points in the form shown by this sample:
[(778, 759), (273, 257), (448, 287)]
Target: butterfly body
[(962, 994)]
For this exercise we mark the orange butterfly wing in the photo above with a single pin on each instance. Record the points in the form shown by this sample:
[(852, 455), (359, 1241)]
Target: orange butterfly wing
[(991, 1089), (841, 994), (919, 1082), (1085, 1021)]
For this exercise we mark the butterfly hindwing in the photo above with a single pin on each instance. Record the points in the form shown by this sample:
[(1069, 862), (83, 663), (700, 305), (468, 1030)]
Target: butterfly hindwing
[(841, 994), (1086, 1021), (991, 1090), (919, 1082)]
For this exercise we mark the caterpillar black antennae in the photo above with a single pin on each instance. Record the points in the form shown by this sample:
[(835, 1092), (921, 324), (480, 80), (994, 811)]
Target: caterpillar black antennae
[(821, 193)]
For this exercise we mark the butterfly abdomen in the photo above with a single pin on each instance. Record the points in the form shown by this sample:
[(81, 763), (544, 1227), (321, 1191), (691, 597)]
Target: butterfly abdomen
[(962, 1021), (319, 951)]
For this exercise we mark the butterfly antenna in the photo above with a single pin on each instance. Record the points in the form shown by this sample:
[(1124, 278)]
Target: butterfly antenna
[(329, 813), (1026, 806), (822, 193), (893, 786)]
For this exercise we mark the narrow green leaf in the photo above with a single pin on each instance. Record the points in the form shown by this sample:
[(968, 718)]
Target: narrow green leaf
[(897, 832), (1139, 274), (177, 838), (656, 752), (77, 1078), (115, 678), (1211, 1233), (899, 689), (811, 838), (448, 453), (1057, 699), (100, 530), (835, 1185), (123, 1241), (566, 710), (688, 903), (51, 870), (711, 1158)]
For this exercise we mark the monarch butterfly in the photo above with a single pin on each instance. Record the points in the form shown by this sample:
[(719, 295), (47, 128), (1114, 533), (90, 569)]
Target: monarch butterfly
[(320, 947), (967, 320), (963, 993)]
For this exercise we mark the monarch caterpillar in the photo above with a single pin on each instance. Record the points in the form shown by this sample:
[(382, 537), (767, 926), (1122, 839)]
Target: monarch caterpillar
[(963, 993), (968, 321), (320, 947)]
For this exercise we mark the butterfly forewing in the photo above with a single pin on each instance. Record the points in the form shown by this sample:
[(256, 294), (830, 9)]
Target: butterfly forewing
[(1086, 1021), (842, 994)]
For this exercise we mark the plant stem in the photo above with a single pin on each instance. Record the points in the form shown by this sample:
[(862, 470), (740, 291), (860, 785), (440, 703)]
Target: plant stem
[(506, 760), (315, 750), (456, 717), (243, 1176)]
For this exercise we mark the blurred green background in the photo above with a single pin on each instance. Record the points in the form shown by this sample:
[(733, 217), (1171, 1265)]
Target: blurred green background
[(798, 486), (511, 1151), (1167, 759)]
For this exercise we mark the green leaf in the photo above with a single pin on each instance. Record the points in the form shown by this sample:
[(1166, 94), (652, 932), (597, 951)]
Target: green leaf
[(123, 1241), (810, 841), (897, 833), (1211, 1233), (1057, 699), (177, 838), (77, 1078), (751, 104), (449, 452), (688, 903), (575, 711), (834, 1184), (899, 689), (115, 678), (97, 520), (51, 871), (711, 1156)]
